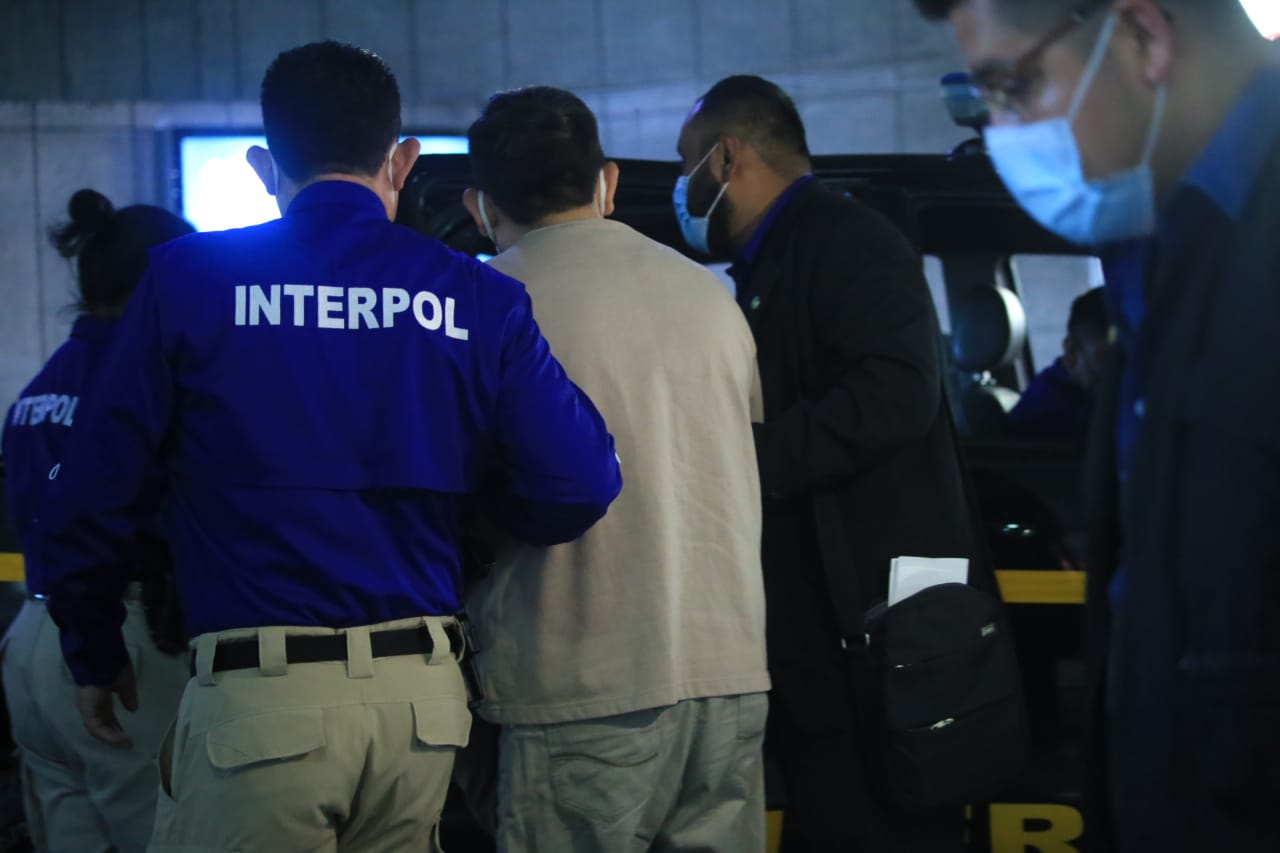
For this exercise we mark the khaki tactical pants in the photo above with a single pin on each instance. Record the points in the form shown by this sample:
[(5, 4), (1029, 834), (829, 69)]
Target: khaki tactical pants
[(350, 755), (686, 777), (80, 794)]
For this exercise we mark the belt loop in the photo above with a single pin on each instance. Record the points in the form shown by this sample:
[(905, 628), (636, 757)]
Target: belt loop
[(272, 660), (439, 639), (206, 646), (359, 653)]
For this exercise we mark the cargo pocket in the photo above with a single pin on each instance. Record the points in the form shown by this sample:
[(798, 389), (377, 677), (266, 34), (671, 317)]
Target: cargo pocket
[(274, 736), (442, 723), (167, 825), (604, 770)]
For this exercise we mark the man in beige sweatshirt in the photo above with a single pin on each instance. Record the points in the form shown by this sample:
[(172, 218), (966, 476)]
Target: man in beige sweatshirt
[(627, 670)]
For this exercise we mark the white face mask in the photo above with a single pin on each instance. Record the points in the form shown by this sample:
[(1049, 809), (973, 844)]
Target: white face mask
[(600, 201), (1042, 166), (484, 221)]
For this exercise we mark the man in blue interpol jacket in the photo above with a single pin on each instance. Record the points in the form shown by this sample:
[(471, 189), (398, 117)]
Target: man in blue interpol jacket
[(306, 401)]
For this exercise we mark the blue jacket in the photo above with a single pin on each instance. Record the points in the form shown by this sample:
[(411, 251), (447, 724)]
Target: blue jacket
[(38, 429), (313, 396), (1053, 406)]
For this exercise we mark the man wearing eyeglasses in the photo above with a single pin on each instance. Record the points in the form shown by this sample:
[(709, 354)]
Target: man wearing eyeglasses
[(1150, 130)]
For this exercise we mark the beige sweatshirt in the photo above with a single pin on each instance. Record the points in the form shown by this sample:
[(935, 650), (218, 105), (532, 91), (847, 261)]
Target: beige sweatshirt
[(662, 600)]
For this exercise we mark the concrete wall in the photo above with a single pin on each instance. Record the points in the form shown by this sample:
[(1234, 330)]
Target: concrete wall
[(88, 89)]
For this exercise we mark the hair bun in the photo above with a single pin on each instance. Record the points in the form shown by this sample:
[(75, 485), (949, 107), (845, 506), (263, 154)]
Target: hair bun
[(90, 210)]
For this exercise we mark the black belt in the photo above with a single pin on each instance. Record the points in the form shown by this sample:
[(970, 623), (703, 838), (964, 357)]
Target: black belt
[(327, 648)]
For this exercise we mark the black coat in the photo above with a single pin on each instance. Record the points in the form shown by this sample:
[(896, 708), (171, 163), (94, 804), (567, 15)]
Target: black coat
[(857, 452), (1187, 671)]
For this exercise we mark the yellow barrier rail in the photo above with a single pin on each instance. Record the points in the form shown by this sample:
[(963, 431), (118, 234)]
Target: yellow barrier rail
[(1053, 587), (11, 568), (1016, 587)]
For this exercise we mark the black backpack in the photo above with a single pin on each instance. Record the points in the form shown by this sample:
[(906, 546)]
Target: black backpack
[(940, 697)]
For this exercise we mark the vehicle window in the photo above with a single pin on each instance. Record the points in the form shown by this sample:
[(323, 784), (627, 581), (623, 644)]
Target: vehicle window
[(1047, 285), (938, 289)]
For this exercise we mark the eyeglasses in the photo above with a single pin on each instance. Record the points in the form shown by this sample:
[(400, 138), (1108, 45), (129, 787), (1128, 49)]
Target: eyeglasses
[(1005, 87)]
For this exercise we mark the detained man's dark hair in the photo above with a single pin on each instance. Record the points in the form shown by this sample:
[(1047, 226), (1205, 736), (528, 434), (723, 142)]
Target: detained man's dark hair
[(1089, 310), (329, 108), (537, 152), (110, 246), (758, 111)]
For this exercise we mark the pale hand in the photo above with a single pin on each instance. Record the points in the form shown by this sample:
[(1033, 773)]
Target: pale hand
[(97, 708)]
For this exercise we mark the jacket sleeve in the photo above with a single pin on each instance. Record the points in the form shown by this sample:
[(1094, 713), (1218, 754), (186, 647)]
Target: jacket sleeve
[(559, 469), (875, 337), (105, 489)]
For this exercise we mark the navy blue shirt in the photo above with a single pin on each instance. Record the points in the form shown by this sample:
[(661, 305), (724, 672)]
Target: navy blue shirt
[(316, 393), (744, 263), (1053, 407), (37, 430), (1225, 173)]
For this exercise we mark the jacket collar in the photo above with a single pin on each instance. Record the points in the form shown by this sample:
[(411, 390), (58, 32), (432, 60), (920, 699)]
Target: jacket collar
[(337, 194), (1229, 168), (767, 270)]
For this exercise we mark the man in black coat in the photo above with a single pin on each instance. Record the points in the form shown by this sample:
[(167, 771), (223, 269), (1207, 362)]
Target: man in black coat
[(1171, 167), (857, 454)]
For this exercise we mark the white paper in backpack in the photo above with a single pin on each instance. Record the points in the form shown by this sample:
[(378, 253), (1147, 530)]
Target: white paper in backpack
[(909, 575)]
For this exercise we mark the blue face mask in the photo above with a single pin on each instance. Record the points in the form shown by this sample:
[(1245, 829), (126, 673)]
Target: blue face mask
[(1042, 166), (694, 228)]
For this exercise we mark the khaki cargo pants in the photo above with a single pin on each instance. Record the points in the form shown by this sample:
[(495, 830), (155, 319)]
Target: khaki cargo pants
[(80, 794), (689, 776), (349, 755)]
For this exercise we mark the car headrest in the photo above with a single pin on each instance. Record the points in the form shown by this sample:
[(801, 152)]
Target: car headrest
[(988, 329)]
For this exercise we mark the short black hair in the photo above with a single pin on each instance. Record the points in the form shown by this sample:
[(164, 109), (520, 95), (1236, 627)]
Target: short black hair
[(537, 152), (110, 246), (757, 110), (1090, 311), (328, 107)]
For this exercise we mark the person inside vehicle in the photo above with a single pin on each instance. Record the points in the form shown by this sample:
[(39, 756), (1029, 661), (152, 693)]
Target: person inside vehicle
[(1149, 131), (1056, 405), (857, 455), (79, 793), (627, 669), (313, 440)]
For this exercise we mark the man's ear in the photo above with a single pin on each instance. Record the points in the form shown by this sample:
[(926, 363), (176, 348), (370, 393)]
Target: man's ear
[(611, 173), (403, 156), (730, 157), (264, 166), (471, 201), (1157, 36)]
